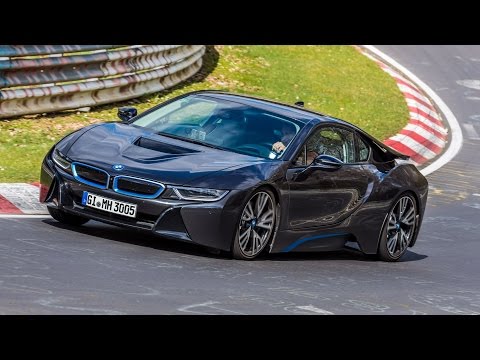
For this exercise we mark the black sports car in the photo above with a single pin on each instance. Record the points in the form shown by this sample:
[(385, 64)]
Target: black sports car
[(237, 173)]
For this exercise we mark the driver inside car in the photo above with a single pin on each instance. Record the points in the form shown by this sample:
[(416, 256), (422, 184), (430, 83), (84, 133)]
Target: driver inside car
[(288, 132)]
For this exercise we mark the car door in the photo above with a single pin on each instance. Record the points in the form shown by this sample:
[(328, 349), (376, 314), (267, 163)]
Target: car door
[(325, 195)]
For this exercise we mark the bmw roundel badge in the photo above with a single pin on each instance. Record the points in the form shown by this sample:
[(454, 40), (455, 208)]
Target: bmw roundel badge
[(118, 167)]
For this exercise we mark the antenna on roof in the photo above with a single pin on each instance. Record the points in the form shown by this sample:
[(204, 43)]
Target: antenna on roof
[(300, 103)]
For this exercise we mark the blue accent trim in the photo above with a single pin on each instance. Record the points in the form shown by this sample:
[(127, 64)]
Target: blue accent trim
[(129, 193), (84, 198), (85, 181), (304, 240)]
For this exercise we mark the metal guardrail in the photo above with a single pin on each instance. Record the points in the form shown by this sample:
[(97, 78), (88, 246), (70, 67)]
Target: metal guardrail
[(46, 78)]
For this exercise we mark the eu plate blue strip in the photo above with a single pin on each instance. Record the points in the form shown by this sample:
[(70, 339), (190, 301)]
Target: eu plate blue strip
[(84, 198)]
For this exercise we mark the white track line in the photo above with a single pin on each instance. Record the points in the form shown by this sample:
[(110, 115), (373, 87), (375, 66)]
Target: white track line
[(471, 132), (457, 137), (414, 145), (393, 73), (315, 310), (414, 93), (19, 216), (423, 119), (426, 134), (24, 197), (426, 110)]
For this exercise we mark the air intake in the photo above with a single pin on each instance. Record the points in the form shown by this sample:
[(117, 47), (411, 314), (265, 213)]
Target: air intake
[(90, 175), (141, 188), (162, 147)]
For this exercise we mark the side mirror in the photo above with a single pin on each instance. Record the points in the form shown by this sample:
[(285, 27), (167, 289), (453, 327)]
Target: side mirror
[(126, 113), (323, 162), (327, 161)]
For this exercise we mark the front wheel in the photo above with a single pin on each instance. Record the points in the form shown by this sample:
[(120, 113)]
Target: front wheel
[(256, 225), (399, 229), (65, 218)]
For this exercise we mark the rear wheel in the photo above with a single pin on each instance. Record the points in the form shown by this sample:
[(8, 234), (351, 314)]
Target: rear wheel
[(66, 218), (399, 229), (256, 225)]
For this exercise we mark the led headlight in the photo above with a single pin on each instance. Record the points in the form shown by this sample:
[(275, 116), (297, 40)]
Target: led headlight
[(197, 194), (61, 160)]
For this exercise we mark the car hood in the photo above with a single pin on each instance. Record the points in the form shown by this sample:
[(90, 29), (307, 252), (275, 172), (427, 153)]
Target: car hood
[(148, 155)]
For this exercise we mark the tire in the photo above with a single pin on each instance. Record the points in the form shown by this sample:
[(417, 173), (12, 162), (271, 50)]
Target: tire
[(399, 229), (256, 225), (65, 218)]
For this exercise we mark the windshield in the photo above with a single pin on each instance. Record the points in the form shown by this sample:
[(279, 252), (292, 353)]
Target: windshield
[(223, 124)]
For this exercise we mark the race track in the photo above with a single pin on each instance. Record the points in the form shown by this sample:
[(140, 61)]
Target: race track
[(48, 268)]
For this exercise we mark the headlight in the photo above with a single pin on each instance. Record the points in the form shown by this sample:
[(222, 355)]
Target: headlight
[(195, 194), (61, 160)]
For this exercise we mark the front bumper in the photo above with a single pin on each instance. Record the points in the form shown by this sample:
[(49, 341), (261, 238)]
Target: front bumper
[(209, 224)]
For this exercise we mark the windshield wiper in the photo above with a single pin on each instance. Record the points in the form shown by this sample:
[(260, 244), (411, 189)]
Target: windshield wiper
[(198, 142)]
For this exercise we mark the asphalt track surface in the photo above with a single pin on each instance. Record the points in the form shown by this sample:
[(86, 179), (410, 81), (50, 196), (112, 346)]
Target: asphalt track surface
[(48, 268)]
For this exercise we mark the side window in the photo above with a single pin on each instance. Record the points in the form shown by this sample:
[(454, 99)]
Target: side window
[(301, 160), (332, 141), (363, 150)]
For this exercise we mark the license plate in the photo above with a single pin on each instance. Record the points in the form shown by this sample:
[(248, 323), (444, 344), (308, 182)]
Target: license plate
[(110, 205)]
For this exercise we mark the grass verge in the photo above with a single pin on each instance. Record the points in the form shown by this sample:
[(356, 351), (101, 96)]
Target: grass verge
[(335, 80)]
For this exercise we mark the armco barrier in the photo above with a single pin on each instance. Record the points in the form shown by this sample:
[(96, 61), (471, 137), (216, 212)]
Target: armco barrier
[(45, 78)]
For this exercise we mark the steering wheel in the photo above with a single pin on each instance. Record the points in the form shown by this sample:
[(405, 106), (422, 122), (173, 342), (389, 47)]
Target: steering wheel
[(262, 149)]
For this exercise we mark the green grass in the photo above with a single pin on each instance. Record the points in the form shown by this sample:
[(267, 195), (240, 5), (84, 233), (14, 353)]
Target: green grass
[(335, 80)]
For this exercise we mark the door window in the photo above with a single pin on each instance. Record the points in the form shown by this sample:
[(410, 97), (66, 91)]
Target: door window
[(363, 150), (333, 141)]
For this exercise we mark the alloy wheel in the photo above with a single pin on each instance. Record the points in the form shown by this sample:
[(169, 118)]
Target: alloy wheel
[(256, 224), (401, 226)]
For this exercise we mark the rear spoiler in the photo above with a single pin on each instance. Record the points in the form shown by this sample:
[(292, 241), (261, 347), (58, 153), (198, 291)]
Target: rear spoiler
[(393, 152)]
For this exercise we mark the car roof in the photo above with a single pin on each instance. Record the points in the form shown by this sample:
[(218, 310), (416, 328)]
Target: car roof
[(291, 111)]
